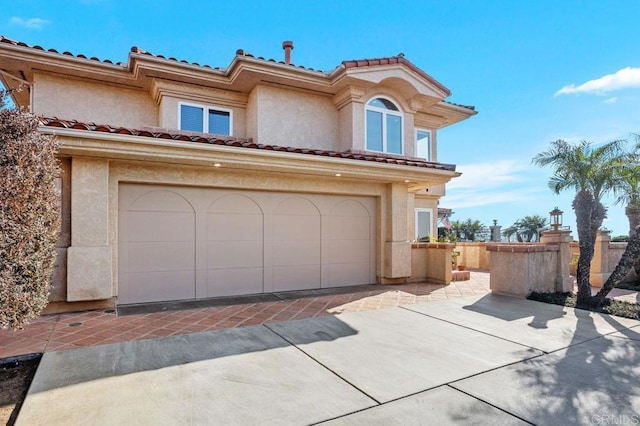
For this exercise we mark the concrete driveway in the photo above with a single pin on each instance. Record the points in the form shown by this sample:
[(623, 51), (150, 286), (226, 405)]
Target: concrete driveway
[(479, 360)]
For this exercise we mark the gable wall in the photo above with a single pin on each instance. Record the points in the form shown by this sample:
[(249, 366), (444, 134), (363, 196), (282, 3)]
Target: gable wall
[(55, 96), (292, 118)]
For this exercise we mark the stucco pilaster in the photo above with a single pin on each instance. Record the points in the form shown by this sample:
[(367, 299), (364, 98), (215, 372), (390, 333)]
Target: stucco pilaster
[(600, 264), (397, 249), (564, 281), (89, 257)]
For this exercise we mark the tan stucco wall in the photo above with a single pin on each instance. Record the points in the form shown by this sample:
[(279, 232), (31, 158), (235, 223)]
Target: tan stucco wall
[(518, 273), (92, 102), (292, 118), (431, 263), (473, 255)]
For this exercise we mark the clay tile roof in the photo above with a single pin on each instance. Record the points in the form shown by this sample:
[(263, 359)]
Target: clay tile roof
[(471, 107), (398, 59), (4, 39), (240, 143), (241, 52)]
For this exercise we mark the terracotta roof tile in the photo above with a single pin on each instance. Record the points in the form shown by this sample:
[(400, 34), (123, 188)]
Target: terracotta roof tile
[(398, 59), (240, 143), (65, 53)]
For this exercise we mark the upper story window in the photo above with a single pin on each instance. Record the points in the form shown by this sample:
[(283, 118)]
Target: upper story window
[(423, 144), (384, 126), (205, 119)]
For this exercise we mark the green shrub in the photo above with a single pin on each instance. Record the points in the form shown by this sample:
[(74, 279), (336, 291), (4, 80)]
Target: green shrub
[(610, 306), (620, 239), (29, 216)]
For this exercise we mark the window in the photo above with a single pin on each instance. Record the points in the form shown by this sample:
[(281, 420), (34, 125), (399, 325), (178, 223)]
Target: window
[(384, 126), (198, 118), (423, 224), (423, 144)]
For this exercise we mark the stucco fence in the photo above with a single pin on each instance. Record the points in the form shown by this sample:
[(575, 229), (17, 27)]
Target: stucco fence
[(521, 268), (433, 262)]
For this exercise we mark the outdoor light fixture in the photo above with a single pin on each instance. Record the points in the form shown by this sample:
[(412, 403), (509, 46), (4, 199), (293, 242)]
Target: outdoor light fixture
[(556, 218)]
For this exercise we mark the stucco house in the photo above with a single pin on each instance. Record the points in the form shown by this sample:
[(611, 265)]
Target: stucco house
[(185, 181)]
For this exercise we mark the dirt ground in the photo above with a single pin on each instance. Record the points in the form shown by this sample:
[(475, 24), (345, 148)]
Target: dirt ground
[(16, 374)]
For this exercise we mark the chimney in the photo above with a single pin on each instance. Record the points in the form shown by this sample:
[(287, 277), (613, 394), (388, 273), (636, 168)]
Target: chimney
[(288, 47)]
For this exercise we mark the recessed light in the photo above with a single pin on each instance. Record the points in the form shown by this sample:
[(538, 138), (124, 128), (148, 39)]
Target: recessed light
[(338, 174), (216, 165), (407, 181)]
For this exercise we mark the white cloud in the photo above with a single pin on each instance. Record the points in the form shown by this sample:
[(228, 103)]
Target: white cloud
[(612, 100), (498, 182), (484, 175), (31, 23), (484, 198), (623, 79)]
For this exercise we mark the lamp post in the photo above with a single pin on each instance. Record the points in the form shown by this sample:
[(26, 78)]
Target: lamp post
[(555, 216)]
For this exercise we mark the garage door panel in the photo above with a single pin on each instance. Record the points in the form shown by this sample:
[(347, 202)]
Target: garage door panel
[(160, 200), (296, 252), (234, 281), (346, 251), (154, 256), (234, 227), (347, 227), (345, 274), (301, 277), (289, 227), (234, 254), (159, 286), (160, 226)]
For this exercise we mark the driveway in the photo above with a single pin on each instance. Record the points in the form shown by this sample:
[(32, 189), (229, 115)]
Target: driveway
[(483, 359)]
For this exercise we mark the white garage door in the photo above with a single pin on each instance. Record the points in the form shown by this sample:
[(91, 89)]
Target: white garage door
[(180, 243)]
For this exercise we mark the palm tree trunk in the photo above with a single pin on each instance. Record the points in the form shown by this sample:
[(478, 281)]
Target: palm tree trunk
[(633, 215), (629, 258), (590, 214)]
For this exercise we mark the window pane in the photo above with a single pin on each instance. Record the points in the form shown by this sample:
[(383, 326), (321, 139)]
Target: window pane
[(191, 118), (383, 103), (394, 134), (423, 144), (374, 131), (423, 224), (219, 122)]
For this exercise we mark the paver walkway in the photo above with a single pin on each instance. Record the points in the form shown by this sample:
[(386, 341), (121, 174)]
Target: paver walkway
[(67, 331)]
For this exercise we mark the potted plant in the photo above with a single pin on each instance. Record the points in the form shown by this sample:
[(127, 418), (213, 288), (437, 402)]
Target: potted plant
[(454, 259)]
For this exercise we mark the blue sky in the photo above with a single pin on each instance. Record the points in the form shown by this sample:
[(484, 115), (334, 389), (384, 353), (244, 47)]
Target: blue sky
[(536, 71)]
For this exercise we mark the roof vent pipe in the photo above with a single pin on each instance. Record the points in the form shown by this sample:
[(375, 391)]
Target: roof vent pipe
[(288, 47)]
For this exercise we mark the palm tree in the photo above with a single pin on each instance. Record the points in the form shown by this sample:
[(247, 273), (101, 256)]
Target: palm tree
[(510, 232), (591, 172), (529, 227), (627, 190)]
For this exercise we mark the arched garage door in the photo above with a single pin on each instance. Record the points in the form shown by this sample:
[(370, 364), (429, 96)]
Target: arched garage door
[(180, 243)]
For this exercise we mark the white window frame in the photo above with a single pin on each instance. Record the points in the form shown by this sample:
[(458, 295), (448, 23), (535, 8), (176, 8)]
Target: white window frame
[(429, 148), (384, 112), (418, 210), (205, 118)]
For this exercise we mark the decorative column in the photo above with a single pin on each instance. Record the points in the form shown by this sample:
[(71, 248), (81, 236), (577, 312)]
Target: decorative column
[(600, 264), (564, 281), (397, 249), (496, 235), (89, 259)]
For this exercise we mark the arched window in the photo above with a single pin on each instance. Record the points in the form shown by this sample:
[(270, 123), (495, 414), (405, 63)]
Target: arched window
[(384, 126)]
